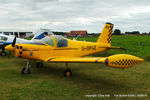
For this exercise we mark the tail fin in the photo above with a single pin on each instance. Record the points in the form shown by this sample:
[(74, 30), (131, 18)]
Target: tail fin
[(105, 36)]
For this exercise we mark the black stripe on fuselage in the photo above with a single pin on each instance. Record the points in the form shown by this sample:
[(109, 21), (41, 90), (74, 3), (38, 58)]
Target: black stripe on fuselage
[(29, 50)]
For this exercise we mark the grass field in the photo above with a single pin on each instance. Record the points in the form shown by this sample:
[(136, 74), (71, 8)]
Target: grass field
[(48, 83)]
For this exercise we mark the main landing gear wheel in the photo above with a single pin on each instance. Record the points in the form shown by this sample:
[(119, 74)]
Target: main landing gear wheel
[(25, 71), (67, 72), (3, 53), (39, 65)]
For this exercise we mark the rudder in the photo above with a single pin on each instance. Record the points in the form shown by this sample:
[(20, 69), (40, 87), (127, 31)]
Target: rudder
[(106, 35)]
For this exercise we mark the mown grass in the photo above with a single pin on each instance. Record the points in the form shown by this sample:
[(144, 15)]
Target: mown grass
[(48, 83)]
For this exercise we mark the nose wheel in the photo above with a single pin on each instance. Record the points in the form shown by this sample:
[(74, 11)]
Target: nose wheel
[(26, 70), (3, 53), (67, 72)]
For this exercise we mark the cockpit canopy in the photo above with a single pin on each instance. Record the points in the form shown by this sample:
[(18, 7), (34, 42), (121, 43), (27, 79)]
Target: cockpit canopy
[(59, 40), (41, 34), (48, 40)]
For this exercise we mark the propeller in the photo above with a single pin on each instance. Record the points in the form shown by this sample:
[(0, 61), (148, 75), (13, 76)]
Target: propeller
[(16, 51), (14, 41), (17, 48), (14, 47)]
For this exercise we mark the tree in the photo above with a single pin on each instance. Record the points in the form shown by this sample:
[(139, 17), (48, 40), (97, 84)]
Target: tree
[(59, 33), (132, 33), (135, 32), (117, 32)]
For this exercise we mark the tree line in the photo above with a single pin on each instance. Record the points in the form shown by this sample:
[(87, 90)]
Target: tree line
[(116, 32)]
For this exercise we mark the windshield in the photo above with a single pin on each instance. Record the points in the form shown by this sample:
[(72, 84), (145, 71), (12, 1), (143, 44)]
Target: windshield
[(41, 34)]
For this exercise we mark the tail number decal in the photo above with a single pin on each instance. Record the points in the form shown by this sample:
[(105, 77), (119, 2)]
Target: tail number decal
[(89, 48)]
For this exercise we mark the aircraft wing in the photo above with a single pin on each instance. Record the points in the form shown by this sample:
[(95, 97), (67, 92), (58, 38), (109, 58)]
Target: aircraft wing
[(117, 61), (77, 59)]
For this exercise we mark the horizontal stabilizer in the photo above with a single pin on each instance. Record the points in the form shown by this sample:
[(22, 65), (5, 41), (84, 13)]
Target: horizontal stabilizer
[(121, 48)]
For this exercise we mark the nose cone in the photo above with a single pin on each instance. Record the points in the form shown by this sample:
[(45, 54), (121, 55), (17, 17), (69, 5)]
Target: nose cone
[(9, 48)]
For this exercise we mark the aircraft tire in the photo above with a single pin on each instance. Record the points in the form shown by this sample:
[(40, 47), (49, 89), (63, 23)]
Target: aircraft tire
[(67, 73), (24, 71), (3, 53), (39, 65)]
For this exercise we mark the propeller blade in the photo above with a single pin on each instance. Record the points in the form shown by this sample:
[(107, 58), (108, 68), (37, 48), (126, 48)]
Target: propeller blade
[(14, 42)]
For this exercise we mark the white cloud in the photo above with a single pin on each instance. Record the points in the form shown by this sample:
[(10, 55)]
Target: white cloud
[(137, 11), (66, 15)]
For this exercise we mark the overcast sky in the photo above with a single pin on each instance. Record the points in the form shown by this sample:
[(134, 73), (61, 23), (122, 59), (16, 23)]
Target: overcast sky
[(66, 15)]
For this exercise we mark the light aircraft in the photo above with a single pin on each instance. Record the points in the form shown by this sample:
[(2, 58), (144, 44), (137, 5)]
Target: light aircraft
[(59, 49), (7, 39)]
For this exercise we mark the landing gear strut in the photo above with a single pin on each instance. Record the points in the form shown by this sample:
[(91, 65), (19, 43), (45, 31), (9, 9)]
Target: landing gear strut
[(26, 69), (3, 53), (67, 72)]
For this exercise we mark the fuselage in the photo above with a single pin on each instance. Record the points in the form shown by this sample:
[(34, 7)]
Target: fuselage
[(57, 48)]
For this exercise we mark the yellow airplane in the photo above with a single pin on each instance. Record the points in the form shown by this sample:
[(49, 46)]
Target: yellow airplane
[(55, 48)]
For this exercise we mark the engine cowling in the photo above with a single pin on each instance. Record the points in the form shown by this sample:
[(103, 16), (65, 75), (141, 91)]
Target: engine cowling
[(18, 50)]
